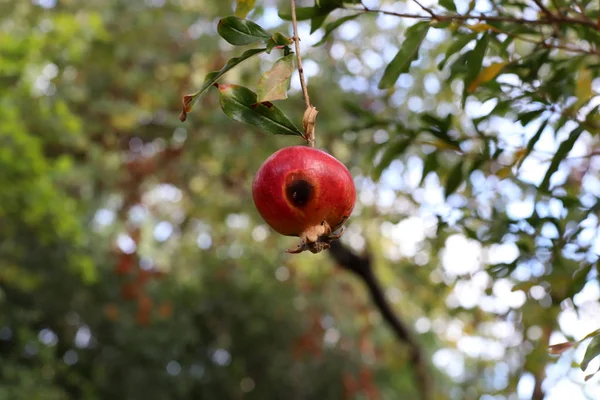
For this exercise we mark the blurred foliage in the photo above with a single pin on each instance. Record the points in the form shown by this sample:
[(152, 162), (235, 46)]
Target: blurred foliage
[(133, 264)]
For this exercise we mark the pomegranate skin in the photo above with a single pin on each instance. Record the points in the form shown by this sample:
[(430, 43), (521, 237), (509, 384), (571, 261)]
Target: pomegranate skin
[(298, 188)]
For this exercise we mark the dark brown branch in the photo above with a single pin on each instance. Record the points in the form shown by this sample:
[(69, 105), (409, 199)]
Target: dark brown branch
[(544, 9), (550, 16), (580, 8), (538, 392), (361, 266), (540, 374), (426, 9), (556, 19)]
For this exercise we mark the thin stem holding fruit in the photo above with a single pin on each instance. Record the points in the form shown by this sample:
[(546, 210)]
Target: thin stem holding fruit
[(311, 112), (299, 57)]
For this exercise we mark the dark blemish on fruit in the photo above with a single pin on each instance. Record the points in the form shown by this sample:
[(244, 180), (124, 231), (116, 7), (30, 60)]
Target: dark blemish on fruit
[(299, 192)]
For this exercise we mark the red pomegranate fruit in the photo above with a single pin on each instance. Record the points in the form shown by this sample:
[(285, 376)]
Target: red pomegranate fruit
[(305, 192)]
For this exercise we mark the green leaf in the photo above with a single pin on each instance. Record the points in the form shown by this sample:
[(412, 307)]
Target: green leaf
[(212, 77), (487, 74), (531, 144), (497, 153), (240, 104), (357, 111), (333, 3), (474, 62), (243, 7), (302, 13), (477, 163), (591, 352), (448, 5), (274, 84), (562, 152), (430, 165), (583, 87), (526, 117), (454, 179), (392, 152), (278, 39), (560, 123), (317, 20), (504, 172), (240, 32), (523, 286), (439, 128), (330, 27), (480, 27), (406, 55), (459, 66), (579, 280), (592, 334), (316, 14), (441, 24), (458, 44)]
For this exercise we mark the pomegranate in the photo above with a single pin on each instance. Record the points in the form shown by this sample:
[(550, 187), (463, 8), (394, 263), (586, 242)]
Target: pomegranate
[(305, 192)]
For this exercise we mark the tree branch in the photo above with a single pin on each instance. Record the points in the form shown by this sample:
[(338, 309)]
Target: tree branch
[(556, 19), (543, 8), (426, 9), (361, 266), (310, 114), (540, 373)]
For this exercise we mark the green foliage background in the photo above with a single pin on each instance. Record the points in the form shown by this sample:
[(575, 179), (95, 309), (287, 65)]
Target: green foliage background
[(133, 264)]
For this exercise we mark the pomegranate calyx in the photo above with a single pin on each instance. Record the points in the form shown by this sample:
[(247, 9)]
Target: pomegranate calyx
[(316, 239)]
